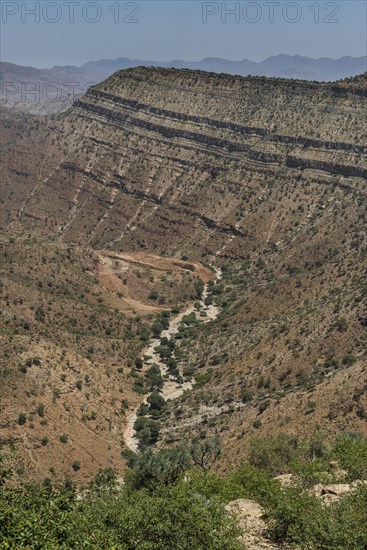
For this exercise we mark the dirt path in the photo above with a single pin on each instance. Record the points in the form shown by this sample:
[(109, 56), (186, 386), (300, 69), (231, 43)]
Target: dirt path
[(171, 389)]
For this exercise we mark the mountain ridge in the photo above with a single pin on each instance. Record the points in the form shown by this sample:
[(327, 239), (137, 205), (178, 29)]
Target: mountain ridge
[(54, 89)]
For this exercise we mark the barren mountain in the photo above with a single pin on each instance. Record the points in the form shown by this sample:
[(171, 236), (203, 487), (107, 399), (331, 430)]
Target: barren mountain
[(263, 177)]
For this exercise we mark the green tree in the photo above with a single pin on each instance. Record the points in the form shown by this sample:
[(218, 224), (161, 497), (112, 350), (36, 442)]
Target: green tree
[(151, 468), (156, 401), (205, 453), (154, 377)]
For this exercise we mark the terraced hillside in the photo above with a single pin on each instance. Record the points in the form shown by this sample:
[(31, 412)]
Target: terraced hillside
[(265, 178)]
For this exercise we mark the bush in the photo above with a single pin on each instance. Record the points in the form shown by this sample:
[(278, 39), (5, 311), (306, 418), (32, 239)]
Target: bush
[(351, 451), (105, 478), (154, 377), (41, 410), (138, 363), (166, 503), (147, 430), (36, 517), (283, 454), (296, 517), (76, 465), (301, 519), (257, 484), (150, 469), (22, 419), (156, 401)]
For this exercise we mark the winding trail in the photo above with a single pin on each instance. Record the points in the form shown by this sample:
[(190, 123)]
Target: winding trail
[(171, 389)]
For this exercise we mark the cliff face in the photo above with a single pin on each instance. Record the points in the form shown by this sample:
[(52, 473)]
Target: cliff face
[(173, 159)]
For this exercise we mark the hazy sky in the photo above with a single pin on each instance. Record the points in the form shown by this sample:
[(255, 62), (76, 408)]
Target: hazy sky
[(75, 31)]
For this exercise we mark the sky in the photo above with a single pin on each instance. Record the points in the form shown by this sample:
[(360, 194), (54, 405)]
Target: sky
[(71, 32)]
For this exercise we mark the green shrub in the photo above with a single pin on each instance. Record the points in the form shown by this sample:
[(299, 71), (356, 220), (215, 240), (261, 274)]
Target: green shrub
[(351, 452), (284, 454), (22, 419), (302, 519), (295, 517), (150, 468), (174, 516), (256, 484), (41, 410), (76, 465)]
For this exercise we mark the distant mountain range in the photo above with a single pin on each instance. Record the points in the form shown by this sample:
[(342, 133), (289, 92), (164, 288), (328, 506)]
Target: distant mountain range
[(285, 66), (42, 91)]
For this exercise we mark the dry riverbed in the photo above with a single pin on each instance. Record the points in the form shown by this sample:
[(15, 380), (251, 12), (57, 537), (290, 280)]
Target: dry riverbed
[(171, 389)]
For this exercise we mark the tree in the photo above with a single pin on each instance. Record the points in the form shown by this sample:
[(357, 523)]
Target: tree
[(76, 465), (138, 363), (199, 288), (144, 436), (22, 418), (157, 328), (151, 468), (154, 376), (172, 364), (156, 401), (143, 410), (147, 430), (206, 453)]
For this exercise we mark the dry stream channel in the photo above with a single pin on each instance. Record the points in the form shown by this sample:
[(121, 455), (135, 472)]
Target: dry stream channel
[(171, 389)]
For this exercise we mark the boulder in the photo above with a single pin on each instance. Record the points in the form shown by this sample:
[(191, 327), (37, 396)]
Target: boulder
[(248, 511), (286, 480), (337, 489), (250, 517)]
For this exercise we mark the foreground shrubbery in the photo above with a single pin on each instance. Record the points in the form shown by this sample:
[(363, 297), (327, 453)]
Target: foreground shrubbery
[(167, 504), (174, 516)]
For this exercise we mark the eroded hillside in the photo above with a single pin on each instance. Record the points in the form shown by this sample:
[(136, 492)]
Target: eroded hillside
[(264, 177)]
